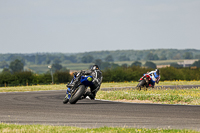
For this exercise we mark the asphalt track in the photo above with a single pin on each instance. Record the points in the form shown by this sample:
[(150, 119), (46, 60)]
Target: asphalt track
[(46, 107)]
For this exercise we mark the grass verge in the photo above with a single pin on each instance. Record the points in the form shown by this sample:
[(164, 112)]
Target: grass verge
[(163, 96), (14, 128), (104, 85)]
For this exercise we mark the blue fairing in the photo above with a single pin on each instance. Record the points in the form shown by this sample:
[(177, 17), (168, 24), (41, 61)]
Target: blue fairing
[(84, 80), (152, 82)]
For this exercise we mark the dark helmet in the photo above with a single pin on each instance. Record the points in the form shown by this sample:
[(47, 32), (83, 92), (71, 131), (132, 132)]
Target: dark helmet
[(157, 71), (95, 67)]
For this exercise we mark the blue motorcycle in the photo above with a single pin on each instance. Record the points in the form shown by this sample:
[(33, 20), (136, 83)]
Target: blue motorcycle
[(79, 89)]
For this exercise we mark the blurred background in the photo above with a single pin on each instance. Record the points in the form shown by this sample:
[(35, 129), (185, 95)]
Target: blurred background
[(50, 37)]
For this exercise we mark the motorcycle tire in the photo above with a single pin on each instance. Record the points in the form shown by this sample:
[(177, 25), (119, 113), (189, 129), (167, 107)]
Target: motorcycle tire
[(141, 84), (65, 101), (77, 95)]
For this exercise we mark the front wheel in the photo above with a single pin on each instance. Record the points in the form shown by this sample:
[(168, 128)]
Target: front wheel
[(65, 100), (77, 94), (141, 84)]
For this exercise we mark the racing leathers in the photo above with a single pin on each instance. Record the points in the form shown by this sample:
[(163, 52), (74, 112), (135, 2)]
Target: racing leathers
[(154, 78)]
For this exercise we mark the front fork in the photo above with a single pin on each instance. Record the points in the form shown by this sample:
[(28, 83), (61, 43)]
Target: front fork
[(68, 93)]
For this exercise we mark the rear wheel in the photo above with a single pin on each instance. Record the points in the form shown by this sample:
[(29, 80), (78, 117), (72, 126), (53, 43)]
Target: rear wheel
[(77, 94)]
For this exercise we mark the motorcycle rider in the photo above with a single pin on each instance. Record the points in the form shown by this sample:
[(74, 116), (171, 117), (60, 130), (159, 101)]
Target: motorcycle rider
[(155, 77), (97, 77)]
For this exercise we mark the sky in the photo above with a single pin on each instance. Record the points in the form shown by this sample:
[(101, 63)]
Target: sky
[(74, 26)]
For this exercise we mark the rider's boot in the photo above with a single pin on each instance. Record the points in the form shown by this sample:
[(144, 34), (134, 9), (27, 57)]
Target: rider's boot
[(91, 95)]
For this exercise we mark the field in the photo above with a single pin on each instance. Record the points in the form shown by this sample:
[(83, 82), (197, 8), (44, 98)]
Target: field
[(157, 62), (72, 66)]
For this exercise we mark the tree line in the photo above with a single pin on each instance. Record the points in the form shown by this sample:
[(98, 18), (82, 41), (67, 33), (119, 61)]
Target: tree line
[(106, 56), (15, 75), (133, 73)]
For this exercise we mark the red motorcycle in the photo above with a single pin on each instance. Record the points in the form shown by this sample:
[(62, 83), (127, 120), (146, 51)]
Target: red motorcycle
[(144, 81)]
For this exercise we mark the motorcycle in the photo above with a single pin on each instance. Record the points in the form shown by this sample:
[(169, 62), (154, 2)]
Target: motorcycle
[(79, 89), (144, 81)]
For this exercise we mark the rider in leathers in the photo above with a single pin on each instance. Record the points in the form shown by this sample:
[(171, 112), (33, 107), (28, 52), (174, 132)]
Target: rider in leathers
[(155, 77), (96, 74)]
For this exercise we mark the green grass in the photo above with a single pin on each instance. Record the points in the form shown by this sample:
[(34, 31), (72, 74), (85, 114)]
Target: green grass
[(161, 83), (14, 128), (163, 96), (104, 85)]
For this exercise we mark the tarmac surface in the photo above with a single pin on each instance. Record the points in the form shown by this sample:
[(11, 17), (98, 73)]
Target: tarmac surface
[(46, 107)]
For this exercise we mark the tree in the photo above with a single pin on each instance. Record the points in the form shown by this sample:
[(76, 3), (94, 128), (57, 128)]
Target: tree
[(197, 56), (177, 56), (4, 64), (123, 58), (105, 65), (98, 62), (196, 63), (163, 57), (56, 61), (109, 58), (150, 56), (36, 59), (87, 59), (16, 66), (150, 64), (56, 67), (136, 63), (188, 55), (175, 65), (6, 70), (124, 65), (47, 61), (155, 57)]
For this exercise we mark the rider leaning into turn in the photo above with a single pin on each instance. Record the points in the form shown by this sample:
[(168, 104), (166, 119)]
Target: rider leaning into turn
[(97, 77), (155, 77)]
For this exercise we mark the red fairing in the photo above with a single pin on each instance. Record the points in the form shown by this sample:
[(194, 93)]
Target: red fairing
[(148, 76)]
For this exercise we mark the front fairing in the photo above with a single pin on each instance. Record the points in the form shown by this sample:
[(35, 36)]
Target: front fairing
[(86, 80)]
